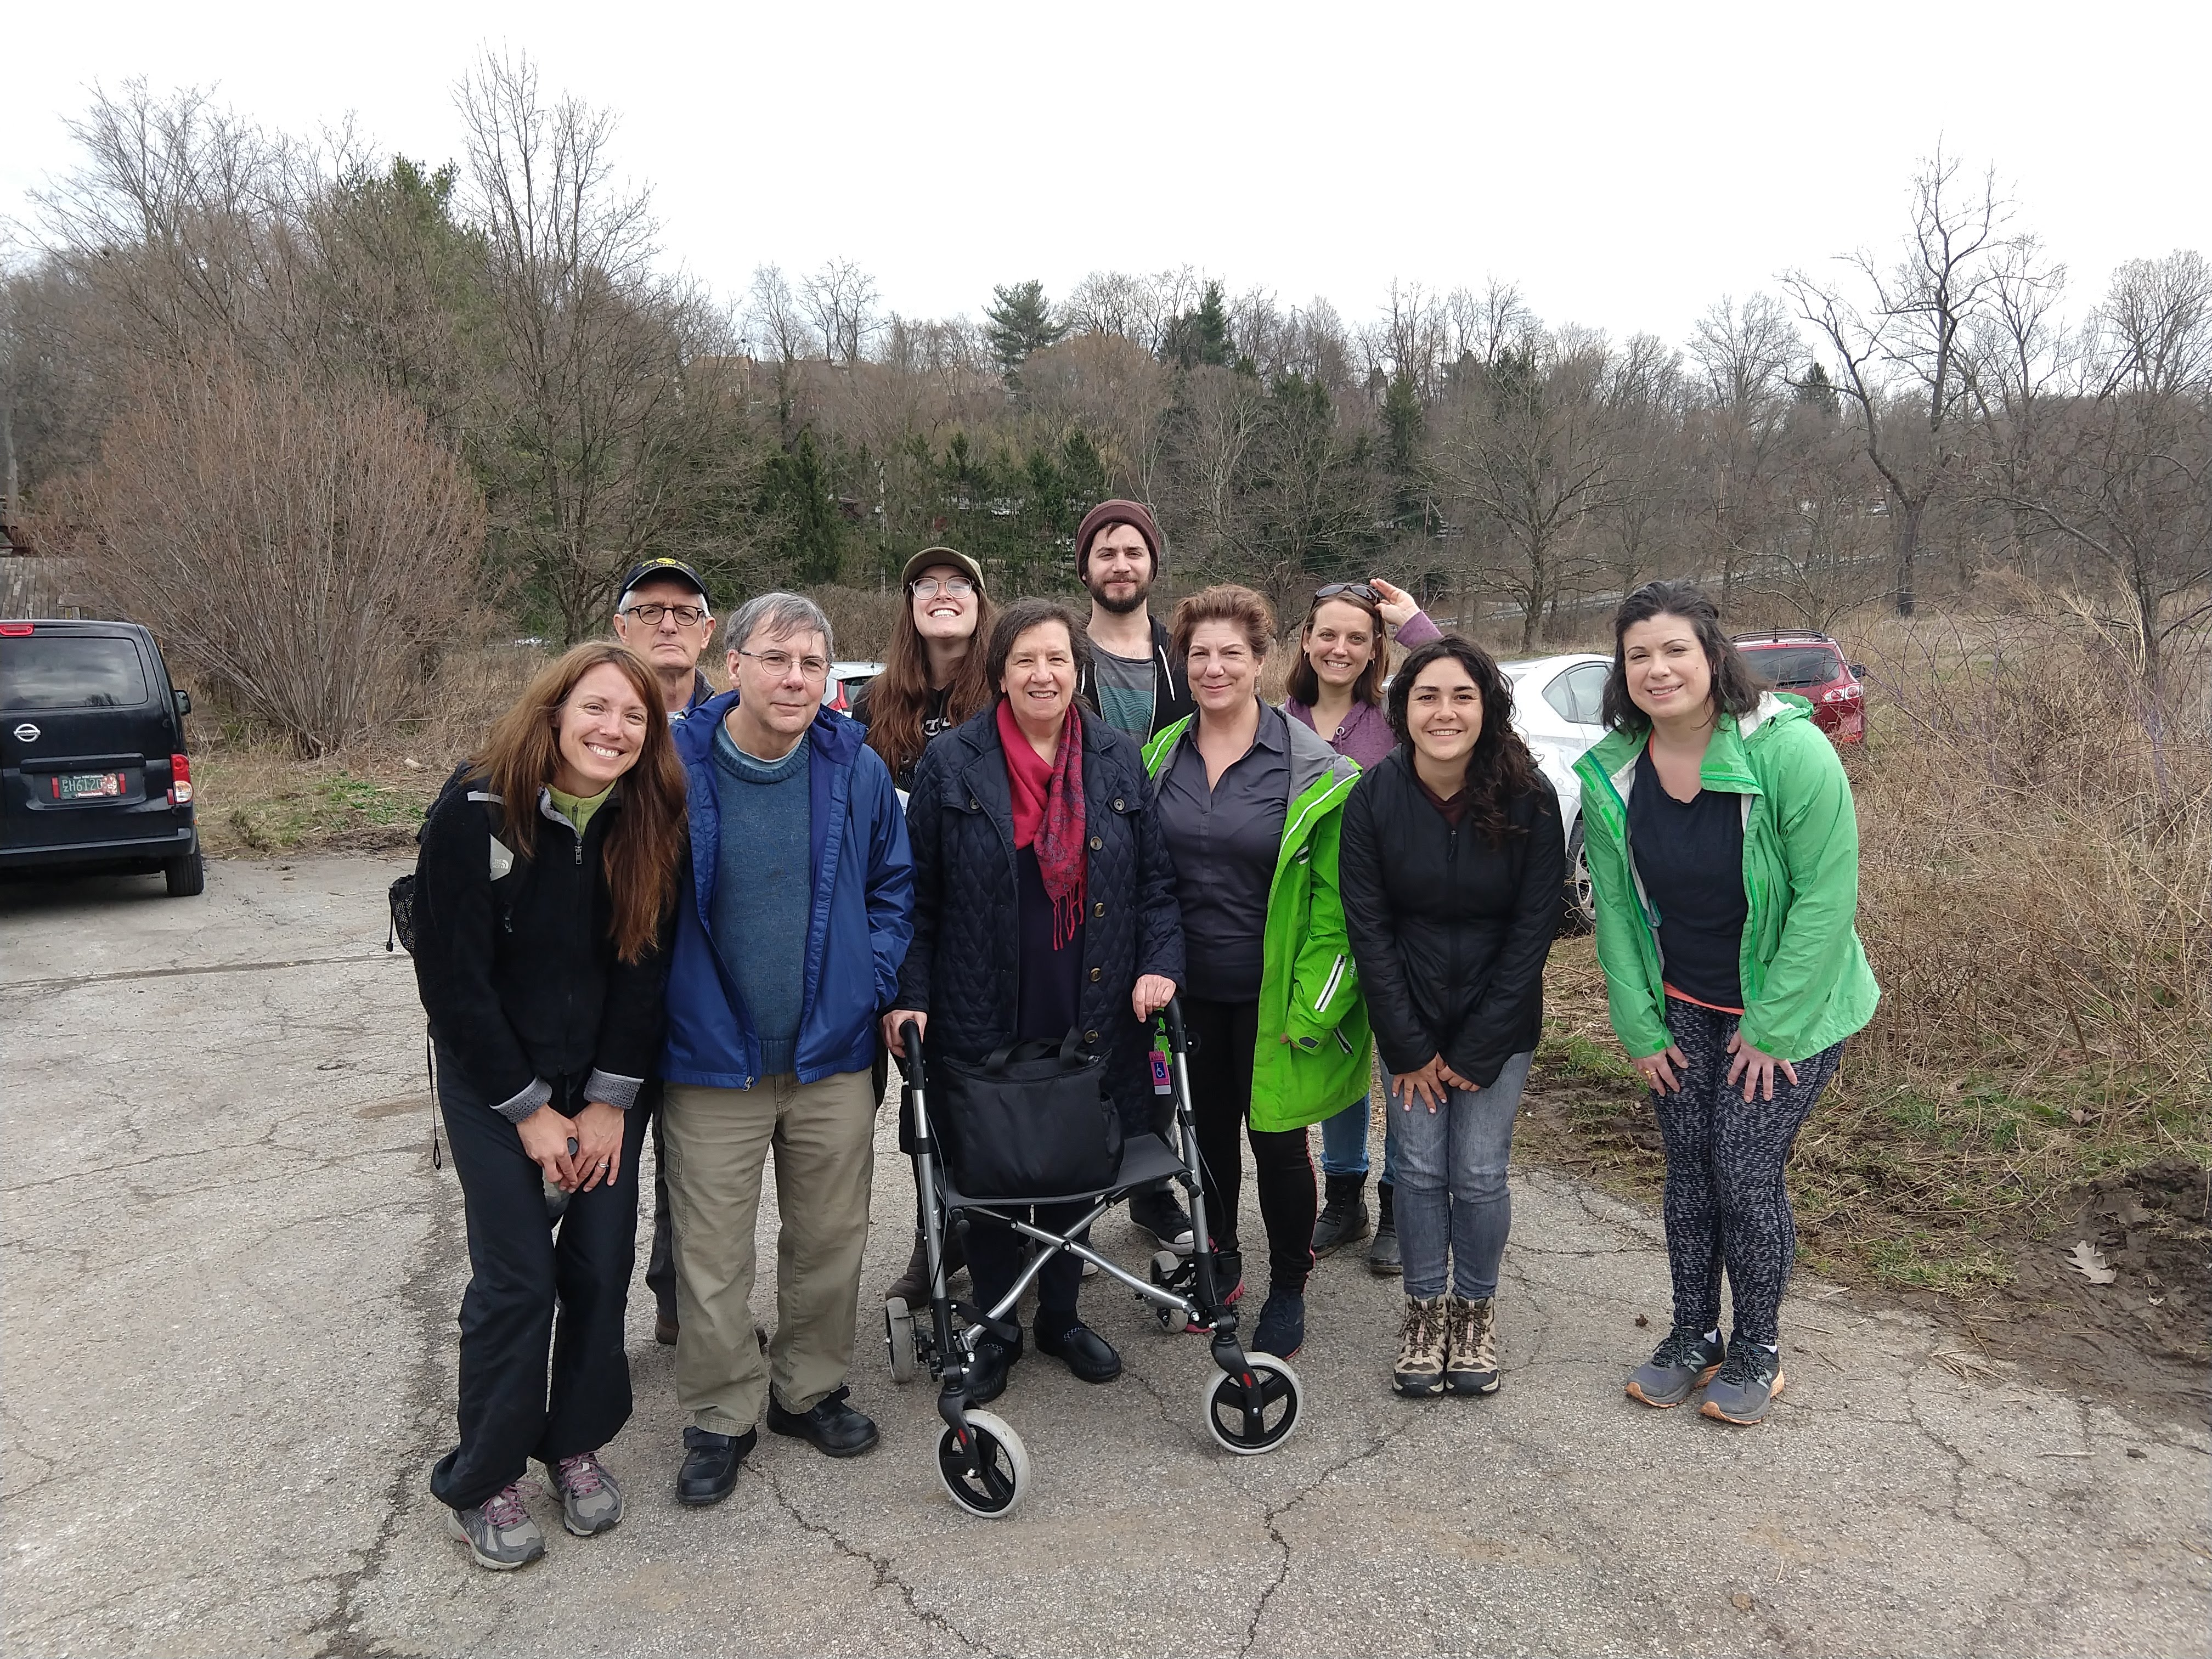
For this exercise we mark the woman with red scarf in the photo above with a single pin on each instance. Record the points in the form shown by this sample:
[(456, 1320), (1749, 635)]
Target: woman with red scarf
[(1044, 902)]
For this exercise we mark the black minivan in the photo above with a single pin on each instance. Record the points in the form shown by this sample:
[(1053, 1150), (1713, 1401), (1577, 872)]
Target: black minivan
[(93, 770)]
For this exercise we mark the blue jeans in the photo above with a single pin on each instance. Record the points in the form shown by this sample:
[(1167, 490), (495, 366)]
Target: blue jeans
[(1450, 1184), (1344, 1142)]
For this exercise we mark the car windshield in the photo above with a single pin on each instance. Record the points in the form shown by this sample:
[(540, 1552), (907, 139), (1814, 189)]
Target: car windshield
[(58, 670), (1796, 664)]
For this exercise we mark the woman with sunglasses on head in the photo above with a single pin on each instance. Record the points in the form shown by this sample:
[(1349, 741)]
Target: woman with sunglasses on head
[(544, 900), (1336, 688), (1723, 854), (933, 680)]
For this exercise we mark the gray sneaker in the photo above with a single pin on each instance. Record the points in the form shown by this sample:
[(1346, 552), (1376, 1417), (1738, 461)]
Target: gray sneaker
[(1750, 1378), (590, 1500), (499, 1531), (1684, 1363)]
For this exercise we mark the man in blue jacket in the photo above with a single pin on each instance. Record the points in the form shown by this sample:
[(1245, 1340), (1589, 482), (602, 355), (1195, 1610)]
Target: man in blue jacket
[(788, 946)]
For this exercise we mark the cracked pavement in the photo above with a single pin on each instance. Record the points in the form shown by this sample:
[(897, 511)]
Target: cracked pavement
[(231, 1279)]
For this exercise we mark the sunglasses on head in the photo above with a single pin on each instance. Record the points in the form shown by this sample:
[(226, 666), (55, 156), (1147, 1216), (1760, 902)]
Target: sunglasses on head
[(1358, 589)]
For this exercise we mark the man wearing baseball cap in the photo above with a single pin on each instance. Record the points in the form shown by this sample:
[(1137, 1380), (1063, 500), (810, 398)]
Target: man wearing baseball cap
[(664, 615), (1135, 682)]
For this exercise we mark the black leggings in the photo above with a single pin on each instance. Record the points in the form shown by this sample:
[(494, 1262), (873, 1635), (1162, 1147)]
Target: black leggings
[(1223, 1036), (1726, 1204)]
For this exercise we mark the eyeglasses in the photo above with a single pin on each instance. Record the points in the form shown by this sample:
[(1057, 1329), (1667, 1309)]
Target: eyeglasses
[(929, 588), (1358, 589), (778, 664), (687, 616)]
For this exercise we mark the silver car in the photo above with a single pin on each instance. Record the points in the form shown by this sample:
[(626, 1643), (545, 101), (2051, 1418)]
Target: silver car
[(1556, 702)]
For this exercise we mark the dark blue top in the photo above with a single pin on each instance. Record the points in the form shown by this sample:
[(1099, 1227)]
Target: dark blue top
[(1690, 854)]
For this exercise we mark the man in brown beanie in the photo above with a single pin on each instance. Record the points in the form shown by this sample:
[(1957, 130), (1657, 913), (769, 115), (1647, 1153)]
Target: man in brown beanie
[(1135, 682)]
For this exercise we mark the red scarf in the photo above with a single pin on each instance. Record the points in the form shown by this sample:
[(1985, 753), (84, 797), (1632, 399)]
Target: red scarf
[(1049, 813)]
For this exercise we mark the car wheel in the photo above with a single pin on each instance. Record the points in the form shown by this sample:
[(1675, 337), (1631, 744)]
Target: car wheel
[(1578, 908), (187, 876)]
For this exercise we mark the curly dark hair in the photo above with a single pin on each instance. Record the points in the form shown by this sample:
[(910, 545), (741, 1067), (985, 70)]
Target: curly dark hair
[(1501, 770), (1736, 689), (1016, 620)]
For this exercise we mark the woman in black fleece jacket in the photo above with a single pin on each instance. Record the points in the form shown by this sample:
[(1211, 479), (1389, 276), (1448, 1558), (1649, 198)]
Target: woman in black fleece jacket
[(543, 895), (1451, 870)]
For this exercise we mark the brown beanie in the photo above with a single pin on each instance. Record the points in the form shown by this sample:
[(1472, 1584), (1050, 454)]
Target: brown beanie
[(1135, 514)]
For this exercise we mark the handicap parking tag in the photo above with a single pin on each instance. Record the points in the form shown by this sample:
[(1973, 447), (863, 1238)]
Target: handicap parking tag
[(1161, 1085)]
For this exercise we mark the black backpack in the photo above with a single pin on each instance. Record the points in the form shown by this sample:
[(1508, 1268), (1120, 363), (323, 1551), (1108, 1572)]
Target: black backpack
[(400, 897)]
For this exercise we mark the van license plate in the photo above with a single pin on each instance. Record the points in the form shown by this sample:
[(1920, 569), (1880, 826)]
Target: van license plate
[(87, 786)]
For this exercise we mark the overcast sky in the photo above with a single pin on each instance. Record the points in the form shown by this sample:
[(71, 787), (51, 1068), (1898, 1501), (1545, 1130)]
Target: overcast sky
[(1624, 164)]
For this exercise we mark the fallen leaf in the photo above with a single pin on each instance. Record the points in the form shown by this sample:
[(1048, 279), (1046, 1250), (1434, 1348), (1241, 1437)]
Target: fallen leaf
[(411, 764), (2086, 1260), (1641, 1319), (2137, 1451), (1744, 1601)]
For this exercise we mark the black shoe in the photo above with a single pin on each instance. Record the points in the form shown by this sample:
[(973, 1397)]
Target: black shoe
[(912, 1287), (1344, 1219), (1088, 1354), (1156, 1210), (835, 1429), (710, 1464), (1282, 1327), (1228, 1276), (988, 1371), (1382, 1254)]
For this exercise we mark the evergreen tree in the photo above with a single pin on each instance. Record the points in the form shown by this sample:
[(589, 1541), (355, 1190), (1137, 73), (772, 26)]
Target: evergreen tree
[(1815, 390), (798, 488), (1019, 321), (1201, 334)]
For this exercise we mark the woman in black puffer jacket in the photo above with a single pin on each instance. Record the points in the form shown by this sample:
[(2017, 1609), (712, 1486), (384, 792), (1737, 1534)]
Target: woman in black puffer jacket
[(1451, 869), (1043, 899)]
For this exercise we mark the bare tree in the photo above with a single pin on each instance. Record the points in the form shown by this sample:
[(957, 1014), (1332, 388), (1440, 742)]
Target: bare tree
[(840, 301), (305, 546), (1533, 448), (610, 441), (1901, 344)]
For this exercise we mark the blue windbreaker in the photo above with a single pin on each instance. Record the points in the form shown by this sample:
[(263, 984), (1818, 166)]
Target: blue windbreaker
[(857, 928)]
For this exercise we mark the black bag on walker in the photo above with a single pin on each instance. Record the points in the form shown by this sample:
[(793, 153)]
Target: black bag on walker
[(1031, 1122)]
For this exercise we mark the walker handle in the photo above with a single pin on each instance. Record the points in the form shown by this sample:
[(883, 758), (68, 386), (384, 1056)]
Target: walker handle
[(1173, 1014), (910, 1038)]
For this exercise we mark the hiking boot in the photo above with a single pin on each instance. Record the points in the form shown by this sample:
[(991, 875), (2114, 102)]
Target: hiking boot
[(1748, 1380), (912, 1287), (1682, 1364), (499, 1531), (590, 1500), (1419, 1369), (1282, 1327), (1158, 1211), (1471, 1345), (1344, 1218), (1382, 1254), (665, 1329)]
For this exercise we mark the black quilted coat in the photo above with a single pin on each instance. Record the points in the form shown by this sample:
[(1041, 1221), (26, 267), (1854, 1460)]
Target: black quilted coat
[(962, 967)]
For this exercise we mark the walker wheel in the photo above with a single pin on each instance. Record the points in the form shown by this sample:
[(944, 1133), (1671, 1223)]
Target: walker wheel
[(1250, 1435), (898, 1335), (1003, 1479)]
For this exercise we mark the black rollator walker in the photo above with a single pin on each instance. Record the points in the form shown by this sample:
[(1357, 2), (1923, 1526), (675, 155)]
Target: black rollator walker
[(1250, 1409)]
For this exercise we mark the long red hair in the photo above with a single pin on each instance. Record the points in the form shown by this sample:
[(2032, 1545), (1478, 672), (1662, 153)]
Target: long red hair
[(644, 847)]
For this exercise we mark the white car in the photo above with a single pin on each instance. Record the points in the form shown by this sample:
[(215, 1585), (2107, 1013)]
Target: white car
[(1556, 702), (846, 679)]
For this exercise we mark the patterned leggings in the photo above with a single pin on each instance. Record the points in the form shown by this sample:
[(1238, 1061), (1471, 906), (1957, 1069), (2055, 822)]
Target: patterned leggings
[(1726, 1204)]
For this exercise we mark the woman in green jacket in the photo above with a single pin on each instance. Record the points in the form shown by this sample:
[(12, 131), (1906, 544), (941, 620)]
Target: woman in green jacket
[(1251, 805), (1723, 853)]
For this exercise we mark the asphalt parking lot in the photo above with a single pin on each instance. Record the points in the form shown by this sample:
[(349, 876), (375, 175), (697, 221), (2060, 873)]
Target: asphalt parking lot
[(231, 1272)]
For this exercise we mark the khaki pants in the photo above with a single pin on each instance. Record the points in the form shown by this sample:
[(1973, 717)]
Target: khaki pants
[(718, 1141)]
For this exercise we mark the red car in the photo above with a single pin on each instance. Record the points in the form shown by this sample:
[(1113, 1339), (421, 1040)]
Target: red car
[(1814, 666)]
